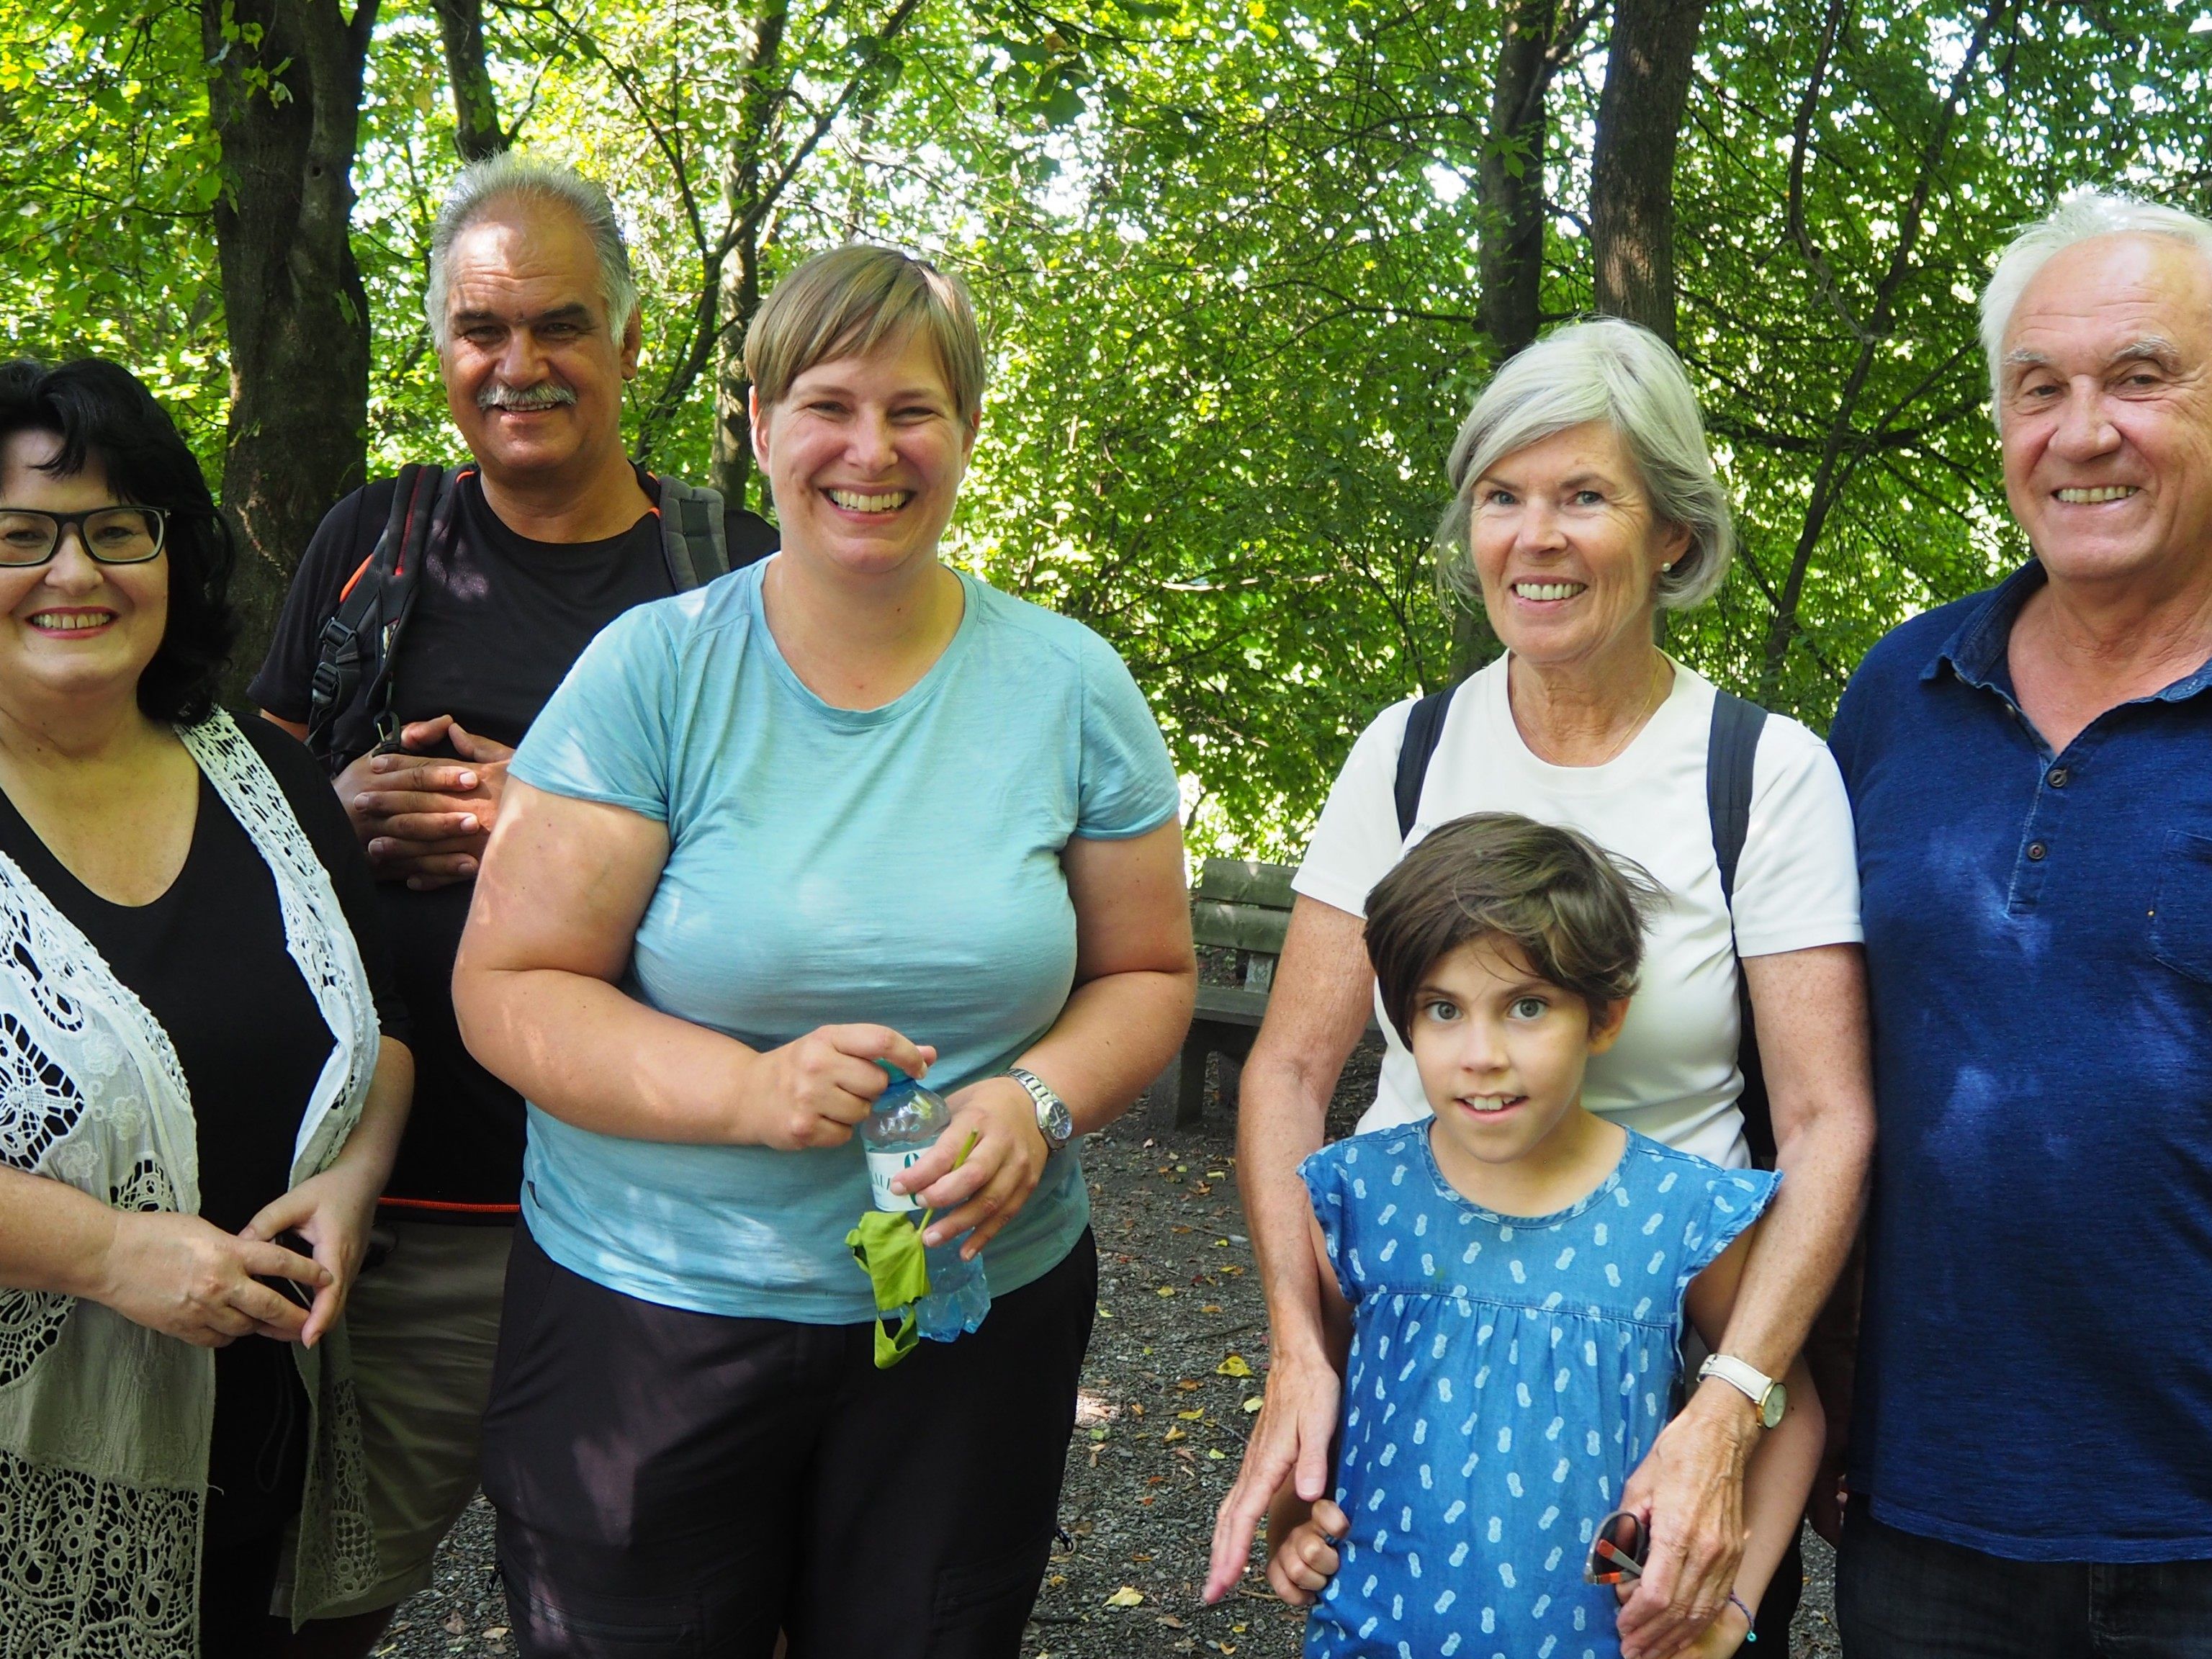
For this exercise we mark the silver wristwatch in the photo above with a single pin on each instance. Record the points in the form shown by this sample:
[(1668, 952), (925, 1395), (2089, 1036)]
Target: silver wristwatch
[(1763, 1391), (1053, 1121)]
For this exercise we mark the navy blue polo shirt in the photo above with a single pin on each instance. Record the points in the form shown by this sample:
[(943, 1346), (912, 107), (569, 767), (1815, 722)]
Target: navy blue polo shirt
[(2035, 1366)]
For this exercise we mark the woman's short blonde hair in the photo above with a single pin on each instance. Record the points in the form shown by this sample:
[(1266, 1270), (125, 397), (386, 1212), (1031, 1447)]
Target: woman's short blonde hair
[(1626, 376), (847, 302)]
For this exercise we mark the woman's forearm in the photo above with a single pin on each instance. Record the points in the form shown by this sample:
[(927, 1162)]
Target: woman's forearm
[(1282, 1114), (52, 1237), (1807, 1233), (581, 1050), (1116, 1034), (1811, 1009), (1775, 1485), (375, 1141)]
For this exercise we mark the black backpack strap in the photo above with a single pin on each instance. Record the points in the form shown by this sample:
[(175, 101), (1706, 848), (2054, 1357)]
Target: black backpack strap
[(692, 534), (1424, 727), (1731, 752), (1731, 757), (349, 697)]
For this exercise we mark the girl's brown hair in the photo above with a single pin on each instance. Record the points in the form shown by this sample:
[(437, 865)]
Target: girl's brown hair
[(1575, 911)]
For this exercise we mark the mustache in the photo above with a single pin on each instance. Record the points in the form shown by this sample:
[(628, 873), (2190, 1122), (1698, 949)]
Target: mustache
[(525, 399)]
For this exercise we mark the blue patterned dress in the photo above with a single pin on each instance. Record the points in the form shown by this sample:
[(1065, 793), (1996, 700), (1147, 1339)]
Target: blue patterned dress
[(1507, 1375)]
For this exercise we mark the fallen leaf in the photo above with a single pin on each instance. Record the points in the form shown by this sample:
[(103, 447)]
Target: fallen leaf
[(1188, 1385), (496, 1633), (1254, 1404), (1134, 1558), (1199, 1190), (1235, 1365), (1057, 1580), (457, 1625), (1192, 1417), (1167, 1290), (1127, 1596), (1172, 1622), (1211, 1307), (1174, 1435), (1215, 1453), (1215, 1174)]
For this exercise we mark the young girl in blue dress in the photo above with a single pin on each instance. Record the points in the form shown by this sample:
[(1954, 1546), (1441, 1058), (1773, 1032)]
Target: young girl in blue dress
[(1505, 1283)]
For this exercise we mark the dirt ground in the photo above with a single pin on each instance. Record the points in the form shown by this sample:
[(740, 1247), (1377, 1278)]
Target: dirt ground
[(1173, 1376)]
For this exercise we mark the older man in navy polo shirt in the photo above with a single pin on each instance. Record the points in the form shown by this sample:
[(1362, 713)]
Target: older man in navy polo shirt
[(2031, 769)]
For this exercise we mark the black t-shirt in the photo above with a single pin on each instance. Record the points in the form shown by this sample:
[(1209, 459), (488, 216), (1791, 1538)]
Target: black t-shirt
[(208, 959), (498, 621)]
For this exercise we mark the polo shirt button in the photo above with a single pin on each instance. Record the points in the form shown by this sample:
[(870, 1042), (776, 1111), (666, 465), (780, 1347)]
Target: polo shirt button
[(2036, 849), (2057, 779)]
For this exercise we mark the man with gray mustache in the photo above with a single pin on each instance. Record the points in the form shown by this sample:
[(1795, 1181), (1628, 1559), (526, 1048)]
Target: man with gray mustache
[(500, 573)]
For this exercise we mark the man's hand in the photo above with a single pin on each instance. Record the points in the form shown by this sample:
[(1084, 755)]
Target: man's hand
[(424, 820), (1290, 1441), (1303, 1561), (1691, 1490), (987, 1189)]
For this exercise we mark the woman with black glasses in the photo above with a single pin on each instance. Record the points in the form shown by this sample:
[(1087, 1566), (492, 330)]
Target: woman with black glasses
[(199, 1096)]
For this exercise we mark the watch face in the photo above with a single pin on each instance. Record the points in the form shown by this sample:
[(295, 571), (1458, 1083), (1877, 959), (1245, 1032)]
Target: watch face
[(1059, 1127), (1776, 1403)]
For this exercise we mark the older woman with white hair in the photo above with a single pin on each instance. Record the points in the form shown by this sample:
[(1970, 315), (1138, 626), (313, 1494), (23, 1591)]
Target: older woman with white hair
[(1583, 502)]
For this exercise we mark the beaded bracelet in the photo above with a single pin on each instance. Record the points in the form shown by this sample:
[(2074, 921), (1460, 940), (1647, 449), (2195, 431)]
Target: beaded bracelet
[(1736, 1602)]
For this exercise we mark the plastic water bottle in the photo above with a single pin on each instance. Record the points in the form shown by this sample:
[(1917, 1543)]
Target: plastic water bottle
[(908, 1119)]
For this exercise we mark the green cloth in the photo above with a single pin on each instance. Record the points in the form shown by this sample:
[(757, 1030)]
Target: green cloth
[(889, 1248)]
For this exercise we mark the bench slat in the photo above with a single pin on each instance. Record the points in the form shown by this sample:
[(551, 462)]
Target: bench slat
[(1246, 881), (1231, 1004), (1239, 926)]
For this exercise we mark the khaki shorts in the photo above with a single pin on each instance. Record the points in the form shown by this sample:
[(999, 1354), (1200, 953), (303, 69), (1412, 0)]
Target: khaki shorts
[(424, 1329)]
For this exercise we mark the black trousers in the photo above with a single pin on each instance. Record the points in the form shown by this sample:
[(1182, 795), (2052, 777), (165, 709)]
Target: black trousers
[(684, 1485), (1899, 1595)]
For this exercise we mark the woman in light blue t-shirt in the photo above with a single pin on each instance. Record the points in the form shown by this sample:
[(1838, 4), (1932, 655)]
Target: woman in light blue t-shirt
[(843, 806)]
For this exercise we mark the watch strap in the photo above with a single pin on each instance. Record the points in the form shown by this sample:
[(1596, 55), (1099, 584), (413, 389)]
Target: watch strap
[(1747, 1379), (1054, 1120)]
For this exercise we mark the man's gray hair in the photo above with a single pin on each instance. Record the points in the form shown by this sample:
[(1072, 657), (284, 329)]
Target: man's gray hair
[(2081, 218), (508, 177), (1624, 376)]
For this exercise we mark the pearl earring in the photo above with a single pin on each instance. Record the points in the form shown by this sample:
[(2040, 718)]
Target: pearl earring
[(1670, 565)]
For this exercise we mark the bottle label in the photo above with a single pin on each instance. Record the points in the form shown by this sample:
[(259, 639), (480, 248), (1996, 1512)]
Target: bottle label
[(882, 1166)]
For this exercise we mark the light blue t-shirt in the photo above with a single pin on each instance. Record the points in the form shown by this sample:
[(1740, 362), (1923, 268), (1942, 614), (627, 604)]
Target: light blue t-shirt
[(898, 866)]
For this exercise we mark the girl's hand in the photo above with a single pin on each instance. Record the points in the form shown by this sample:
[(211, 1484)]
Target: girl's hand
[(186, 1278), (812, 1092), (333, 1211), (989, 1187), (1301, 1565), (1720, 1639)]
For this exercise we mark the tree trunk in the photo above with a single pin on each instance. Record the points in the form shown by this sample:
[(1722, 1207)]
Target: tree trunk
[(476, 132), (1647, 85), (284, 101), (742, 198), (1509, 184)]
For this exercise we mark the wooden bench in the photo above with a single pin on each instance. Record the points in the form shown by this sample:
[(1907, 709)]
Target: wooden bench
[(1242, 905)]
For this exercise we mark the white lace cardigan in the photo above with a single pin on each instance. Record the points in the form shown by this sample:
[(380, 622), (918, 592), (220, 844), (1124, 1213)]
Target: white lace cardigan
[(104, 1424)]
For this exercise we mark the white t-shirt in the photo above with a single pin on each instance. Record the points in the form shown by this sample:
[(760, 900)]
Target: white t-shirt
[(1673, 1074)]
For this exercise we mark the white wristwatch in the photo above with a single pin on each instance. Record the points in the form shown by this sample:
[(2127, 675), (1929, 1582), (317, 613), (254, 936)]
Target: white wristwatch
[(1762, 1390)]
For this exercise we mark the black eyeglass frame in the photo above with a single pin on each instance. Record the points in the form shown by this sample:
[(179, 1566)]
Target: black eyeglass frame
[(64, 522)]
